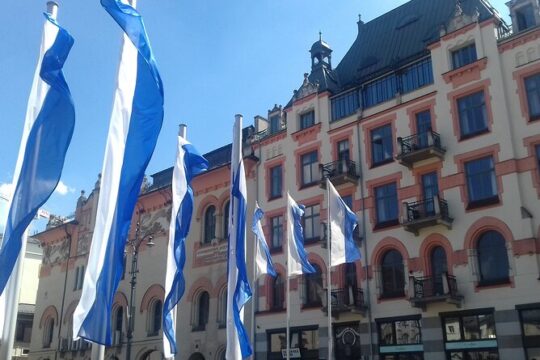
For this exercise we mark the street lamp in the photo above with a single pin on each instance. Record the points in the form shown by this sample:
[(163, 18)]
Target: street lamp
[(134, 244)]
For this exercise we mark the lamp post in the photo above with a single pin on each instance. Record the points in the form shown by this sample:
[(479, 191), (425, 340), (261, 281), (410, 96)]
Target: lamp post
[(134, 244)]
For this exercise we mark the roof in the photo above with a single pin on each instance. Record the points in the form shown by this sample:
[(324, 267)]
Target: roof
[(216, 158), (393, 39)]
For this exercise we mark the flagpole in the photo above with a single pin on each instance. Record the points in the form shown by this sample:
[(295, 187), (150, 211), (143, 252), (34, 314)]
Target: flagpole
[(288, 334), (329, 275), (254, 285)]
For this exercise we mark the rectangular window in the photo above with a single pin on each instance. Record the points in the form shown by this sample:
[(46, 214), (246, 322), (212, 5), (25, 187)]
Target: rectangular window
[(343, 150), (305, 340), (470, 336), (386, 203), (400, 338), (307, 120), (525, 17), (532, 87), (423, 127), (472, 115), (481, 181), (464, 56), (538, 157), (380, 91), (275, 124), (275, 182), (309, 168), (416, 76), (312, 223), (277, 233), (382, 147), (345, 105), (530, 327), (76, 280)]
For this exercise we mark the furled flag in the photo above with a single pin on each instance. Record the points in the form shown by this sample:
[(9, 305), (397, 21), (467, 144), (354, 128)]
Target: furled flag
[(189, 163), (342, 222), (297, 262), (238, 289), (47, 132), (264, 262), (133, 131)]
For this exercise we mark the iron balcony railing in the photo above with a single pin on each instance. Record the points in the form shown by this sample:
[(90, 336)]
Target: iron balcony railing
[(427, 208), (337, 168), (348, 298), (420, 141), (429, 287)]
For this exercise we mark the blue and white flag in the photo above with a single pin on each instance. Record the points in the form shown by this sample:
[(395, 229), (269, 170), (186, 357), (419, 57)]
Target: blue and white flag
[(297, 262), (342, 222), (238, 289), (264, 262), (47, 132), (133, 131), (189, 163)]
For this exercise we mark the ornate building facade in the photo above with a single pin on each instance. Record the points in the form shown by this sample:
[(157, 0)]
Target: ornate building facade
[(429, 128)]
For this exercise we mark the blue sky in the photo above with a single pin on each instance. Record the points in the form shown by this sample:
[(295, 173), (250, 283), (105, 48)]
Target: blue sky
[(216, 58)]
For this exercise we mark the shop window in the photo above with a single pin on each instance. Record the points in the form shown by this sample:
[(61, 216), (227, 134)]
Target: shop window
[(400, 338), (530, 327)]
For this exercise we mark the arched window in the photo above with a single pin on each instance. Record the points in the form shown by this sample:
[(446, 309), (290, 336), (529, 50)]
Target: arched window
[(201, 311), (351, 284), (209, 224), (438, 268), (220, 355), (313, 287), (118, 325), (222, 308), (48, 333), (226, 220), (277, 291), (393, 274), (493, 265), (154, 323)]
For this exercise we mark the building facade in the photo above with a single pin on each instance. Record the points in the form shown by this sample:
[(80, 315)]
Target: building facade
[(429, 128)]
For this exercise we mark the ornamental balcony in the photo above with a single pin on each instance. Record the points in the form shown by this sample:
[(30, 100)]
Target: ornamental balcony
[(339, 172), (426, 213), (419, 147), (426, 290), (346, 300)]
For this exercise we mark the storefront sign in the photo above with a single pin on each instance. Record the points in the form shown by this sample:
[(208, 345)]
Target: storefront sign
[(401, 348), (471, 344), (294, 353)]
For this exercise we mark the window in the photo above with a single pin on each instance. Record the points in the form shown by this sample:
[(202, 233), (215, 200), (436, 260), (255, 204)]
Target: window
[(393, 274), (386, 203), (530, 327), (537, 148), (312, 224), (226, 210), (307, 120), (118, 325), (79, 278), (399, 338), (222, 308), (481, 182), (439, 268), (23, 330), (154, 325), (416, 76), (275, 182), (277, 233), (345, 105), (423, 127), (472, 115), (380, 91), (532, 87), (492, 256), (525, 17), (430, 189), (202, 307), (48, 333), (277, 293), (464, 56), (305, 339), (343, 150), (470, 335), (309, 168), (209, 225), (382, 148), (275, 124), (313, 287)]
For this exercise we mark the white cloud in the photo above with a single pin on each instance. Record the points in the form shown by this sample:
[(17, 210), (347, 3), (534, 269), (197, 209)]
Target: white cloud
[(63, 189), (6, 189)]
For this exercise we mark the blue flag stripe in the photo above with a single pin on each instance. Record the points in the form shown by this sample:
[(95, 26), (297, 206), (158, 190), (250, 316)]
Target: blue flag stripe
[(257, 217), (44, 154), (297, 213)]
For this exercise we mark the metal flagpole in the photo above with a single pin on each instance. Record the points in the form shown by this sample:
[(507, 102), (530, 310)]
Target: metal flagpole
[(288, 310), (255, 292), (329, 276)]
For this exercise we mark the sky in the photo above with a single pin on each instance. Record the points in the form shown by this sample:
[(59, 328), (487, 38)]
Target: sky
[(216, 59)]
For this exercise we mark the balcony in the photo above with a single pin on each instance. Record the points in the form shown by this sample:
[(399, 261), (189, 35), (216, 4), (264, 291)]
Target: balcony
[(339, 172), (425, 213), (419, 147), (346, 300), (428, 290)]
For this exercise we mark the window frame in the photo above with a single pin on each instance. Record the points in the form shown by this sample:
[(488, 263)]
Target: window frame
[(382, 223), (473, 203), (276, 182), (200, 323), (527, 84), (209, 228), (312, 165), (310, 220), (152, 329), (529, 341), (385, 141), (306, 120), (469, 110), (501, 241), (395, 291), (520, 14), (311, 281), (464, 55), (276, 233), (277, 294)]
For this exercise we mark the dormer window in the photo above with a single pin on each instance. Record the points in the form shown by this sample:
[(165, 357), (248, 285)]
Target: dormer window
[(525, 17), (464, 56), (275, 124), (307, 120)]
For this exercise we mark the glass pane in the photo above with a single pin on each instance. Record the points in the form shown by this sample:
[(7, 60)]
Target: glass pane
[(408, 332), (452, 329), (531, 322), (492, 257), (471, 328), (438, 268), (533, 353), (310, 340), (386, 331), (277, 342), (487, 326)]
